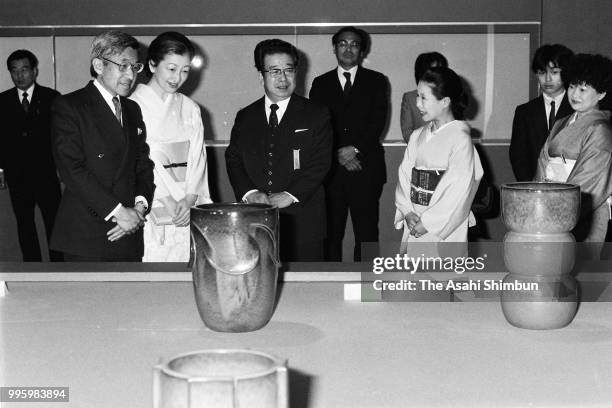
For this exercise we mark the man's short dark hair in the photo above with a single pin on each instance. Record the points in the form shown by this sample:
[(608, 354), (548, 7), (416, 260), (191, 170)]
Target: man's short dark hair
[(557, 54), (364, 37), (22, 54), (274, 46)]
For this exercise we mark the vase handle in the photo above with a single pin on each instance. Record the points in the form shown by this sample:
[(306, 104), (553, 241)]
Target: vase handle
[(253, 227)]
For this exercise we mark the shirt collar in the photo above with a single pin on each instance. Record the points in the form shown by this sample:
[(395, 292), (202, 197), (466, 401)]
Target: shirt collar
[(557, 99), (30, 92), (353, 72), (108, 97), (282, 107)]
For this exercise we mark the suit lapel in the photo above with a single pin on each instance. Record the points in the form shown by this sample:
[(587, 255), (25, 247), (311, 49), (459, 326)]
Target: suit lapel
[(129, 128), (16, 106), (110, 131), (565, 108), (108, 127), (541, 121)]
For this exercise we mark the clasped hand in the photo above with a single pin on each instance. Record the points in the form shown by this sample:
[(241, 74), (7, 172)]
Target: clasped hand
[(415, 225), (347, 157), (280, 200), (128, 220)]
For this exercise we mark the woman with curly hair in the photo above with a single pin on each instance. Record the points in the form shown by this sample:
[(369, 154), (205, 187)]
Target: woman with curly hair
[(579, 147)]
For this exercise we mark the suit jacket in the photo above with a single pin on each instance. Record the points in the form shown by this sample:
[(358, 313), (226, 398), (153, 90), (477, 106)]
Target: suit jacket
[(305, 127), (102, 164), (25, 141), (360, 120), (529, 132)]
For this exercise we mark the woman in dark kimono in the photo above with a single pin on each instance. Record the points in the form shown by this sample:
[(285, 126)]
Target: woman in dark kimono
[(579, 147)]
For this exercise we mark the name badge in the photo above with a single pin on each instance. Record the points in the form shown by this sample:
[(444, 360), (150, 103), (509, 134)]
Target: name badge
[(296, 159)]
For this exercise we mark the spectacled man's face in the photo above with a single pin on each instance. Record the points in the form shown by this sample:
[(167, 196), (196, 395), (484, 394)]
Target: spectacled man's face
[(112, 79), (22, 73), (348, 50), (281, 86)]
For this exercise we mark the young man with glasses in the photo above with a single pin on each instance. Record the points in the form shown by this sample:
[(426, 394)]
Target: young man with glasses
[(280, 152), (99, 145), (358, 99)]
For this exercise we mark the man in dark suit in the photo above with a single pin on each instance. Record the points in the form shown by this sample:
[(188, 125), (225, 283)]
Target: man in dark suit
[(534, 119), (280, 152), (25, 155), (99, 144), (358, 100)]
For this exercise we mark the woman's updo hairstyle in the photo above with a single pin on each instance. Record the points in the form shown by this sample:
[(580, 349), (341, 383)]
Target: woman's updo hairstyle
[(166, 43), (444, 83)]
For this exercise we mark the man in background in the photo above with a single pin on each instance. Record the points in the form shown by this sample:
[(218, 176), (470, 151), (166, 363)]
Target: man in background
[(99, 145), (358, 99), (534, 119), (26, 160), (280, 152)]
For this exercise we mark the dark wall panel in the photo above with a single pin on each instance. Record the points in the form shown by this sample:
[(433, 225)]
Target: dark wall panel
[(583, 26), (95, 12)]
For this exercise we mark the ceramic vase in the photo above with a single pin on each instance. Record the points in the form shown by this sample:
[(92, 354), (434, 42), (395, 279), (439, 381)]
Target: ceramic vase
[(234, 262), (539, 252), (221, 379)]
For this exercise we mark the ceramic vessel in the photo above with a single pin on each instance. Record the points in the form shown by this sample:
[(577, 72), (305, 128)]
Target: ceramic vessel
[(539, 252), (221, 379), (234, 262)]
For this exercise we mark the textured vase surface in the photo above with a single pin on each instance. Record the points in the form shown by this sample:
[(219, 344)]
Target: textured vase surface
[(539, 252), (221, 379), (234, 260)]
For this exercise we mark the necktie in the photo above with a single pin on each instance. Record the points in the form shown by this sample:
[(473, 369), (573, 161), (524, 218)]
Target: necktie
[(273, 118), (551, 116), (25, 103), (117, 108), (347, 84)]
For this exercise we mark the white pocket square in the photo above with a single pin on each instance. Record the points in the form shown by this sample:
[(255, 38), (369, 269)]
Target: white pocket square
[(139, 131), (299, 130)]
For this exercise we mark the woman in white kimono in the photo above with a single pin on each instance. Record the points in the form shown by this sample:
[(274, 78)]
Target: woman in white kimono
[(175, 135), (441, 170), (579, 147)]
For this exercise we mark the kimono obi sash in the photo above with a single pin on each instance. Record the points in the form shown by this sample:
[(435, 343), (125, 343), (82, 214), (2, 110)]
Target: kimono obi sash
[(423, 184), (171, 165)]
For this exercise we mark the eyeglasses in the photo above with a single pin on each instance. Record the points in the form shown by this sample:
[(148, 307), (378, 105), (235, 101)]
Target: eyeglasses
[(346, 44), (123, 67), (277, 72)]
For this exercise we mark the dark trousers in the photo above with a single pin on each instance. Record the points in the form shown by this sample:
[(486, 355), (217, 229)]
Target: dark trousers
[(87, 258), (24, 198), (358, 193), (303, 251)]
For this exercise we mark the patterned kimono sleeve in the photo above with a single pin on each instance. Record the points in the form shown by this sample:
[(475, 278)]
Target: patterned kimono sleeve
[(593, 167)]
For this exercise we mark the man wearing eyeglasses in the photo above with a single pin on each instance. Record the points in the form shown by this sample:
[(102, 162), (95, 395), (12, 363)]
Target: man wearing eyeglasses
[(280, 152), (358, 99), (99, 145)]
